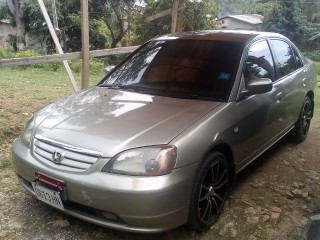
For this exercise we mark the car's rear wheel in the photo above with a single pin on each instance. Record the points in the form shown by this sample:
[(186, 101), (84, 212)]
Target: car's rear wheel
[(209, 192), (301, 129)]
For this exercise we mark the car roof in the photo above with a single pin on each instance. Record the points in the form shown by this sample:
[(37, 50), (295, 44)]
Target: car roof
[(224, 35)]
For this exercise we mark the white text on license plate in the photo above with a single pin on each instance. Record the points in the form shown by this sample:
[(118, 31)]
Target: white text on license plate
[(48, 196)]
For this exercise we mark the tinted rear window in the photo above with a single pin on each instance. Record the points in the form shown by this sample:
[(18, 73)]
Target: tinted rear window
[(285, 60), (180, 68)]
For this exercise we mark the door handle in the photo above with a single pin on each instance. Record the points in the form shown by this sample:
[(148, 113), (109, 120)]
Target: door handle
[(304, 82), (278, 97)]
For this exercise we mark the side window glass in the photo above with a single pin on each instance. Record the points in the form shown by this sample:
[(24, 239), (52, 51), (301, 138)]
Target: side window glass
[(259, 62), (298, 59), (285, 59)]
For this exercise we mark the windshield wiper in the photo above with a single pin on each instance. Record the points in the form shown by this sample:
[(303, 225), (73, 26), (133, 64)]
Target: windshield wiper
[(131, 88), (193, 96)]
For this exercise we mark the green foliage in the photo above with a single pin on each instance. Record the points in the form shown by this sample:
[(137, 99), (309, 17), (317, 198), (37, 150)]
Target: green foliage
[(116, 14), (314, 56), (55, 66), (230, 7), (147, 30), (75, 65), (96, 66), (115, 59), (72, 30), (6, 53), (199, 15), (105, 28), (5, 162), (26, 53), (263, 9), (287, 18), (4, 12), (34, 22), (100, 36), (196, 16), (317, 64)]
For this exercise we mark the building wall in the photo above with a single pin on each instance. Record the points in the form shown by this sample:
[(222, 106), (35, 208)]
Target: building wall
[(5, 30), (230, 23)]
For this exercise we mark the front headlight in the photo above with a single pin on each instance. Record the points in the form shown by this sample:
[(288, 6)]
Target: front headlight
[(146, 161), (27, 132)]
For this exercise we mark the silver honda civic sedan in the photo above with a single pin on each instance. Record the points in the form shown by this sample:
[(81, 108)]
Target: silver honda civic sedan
[(157, 143)]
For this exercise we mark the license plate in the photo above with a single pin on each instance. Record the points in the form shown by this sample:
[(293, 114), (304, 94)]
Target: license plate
[(48, 196)]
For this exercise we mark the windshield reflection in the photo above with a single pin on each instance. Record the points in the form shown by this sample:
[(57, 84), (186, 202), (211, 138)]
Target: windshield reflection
[(180, 68)]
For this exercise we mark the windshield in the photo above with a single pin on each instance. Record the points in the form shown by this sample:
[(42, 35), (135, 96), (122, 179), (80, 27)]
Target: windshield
[(179, 68)]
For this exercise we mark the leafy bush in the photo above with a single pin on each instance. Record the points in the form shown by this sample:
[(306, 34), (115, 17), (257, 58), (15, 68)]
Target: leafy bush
[(76, 65), (53, 66), (115, 59), (314, 56), (96, 66), (6, 53), (317, 69), (50, 66), (28, 53)]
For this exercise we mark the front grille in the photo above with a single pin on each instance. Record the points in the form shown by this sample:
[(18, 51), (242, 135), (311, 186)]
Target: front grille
[(71, 158)]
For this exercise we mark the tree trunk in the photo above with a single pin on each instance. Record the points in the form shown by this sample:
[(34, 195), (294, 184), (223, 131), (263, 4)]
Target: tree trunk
[(17, 8)]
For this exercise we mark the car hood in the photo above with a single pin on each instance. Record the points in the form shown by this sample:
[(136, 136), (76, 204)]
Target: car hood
[(110, 121)]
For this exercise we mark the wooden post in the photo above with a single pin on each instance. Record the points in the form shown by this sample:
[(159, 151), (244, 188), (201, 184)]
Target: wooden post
[(174, 16), (85, 43), (57, 44)]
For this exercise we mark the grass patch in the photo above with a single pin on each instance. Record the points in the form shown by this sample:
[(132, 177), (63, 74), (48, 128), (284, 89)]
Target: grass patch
[(317, 96), (24, 91), (317, 103), (317, 69), (5, 162)]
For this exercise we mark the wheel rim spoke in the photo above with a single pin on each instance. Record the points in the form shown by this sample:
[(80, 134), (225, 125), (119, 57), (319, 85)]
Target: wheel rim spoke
[(216, 204), (217, 171), (217, 196), (306, 118), (220, 183), (204, 196), (212, 192)]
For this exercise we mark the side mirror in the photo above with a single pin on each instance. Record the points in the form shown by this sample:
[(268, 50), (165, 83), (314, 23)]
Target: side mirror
[(258, 86)]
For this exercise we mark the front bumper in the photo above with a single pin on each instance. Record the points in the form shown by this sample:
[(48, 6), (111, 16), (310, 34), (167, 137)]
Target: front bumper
[(141, 204)]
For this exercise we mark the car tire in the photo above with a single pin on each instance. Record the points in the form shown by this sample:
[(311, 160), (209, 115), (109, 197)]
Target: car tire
[(209, 193), (301, 129)]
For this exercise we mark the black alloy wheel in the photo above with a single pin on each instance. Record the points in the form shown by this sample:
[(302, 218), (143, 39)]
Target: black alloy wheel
[(301, 129), (209, 193), (306, 117)]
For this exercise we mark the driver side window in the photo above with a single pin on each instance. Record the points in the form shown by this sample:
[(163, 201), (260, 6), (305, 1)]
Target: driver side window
[(259, 62)]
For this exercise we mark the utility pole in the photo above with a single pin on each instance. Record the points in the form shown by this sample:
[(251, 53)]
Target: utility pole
[(85, 43)]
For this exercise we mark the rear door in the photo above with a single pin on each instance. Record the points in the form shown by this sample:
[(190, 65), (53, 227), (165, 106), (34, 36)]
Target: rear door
[(289, 71)]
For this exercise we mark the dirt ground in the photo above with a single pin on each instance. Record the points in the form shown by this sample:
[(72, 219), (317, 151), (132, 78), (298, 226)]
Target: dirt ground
[(273, 199)]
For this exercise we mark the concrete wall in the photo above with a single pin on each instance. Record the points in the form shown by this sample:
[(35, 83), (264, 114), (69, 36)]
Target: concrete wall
[(5, 30)]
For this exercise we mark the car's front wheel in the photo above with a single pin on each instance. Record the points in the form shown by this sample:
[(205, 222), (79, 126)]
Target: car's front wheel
[(301, 129), (209, 192)]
